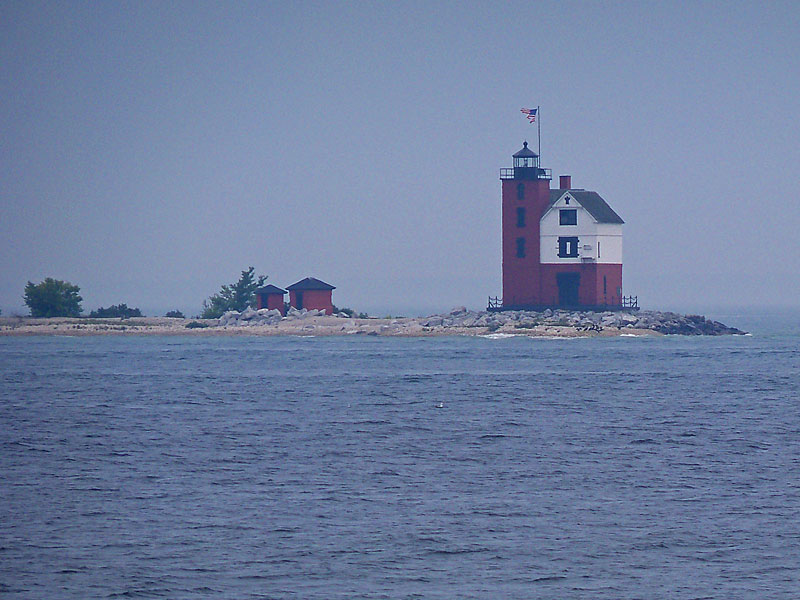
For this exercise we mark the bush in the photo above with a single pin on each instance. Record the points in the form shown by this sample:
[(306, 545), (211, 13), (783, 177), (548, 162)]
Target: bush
[(115, 311), (175, 314), (196, 325), (347, 311), (53, 298), (236, 296)]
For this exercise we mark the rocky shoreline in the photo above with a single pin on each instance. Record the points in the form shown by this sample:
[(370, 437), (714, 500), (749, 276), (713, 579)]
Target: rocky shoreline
[(459, 321)]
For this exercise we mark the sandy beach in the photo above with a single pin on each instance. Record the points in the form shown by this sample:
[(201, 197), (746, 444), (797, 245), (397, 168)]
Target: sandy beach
[(310, 326)]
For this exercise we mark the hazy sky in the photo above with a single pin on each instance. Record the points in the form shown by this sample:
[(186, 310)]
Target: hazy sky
[(150, 151)]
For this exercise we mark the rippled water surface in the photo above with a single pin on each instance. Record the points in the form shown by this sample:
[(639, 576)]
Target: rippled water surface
[(400, 468)]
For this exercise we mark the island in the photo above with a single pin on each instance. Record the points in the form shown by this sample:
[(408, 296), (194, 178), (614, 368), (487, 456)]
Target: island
[(459, 321)]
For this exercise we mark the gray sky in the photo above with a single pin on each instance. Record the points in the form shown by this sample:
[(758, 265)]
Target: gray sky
[(151, 151)]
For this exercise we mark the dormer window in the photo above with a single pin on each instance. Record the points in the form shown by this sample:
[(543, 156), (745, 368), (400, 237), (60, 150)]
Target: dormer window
[(568, 216)]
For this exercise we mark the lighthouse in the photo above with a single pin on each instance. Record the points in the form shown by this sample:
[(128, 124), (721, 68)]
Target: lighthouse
[(562, 247)]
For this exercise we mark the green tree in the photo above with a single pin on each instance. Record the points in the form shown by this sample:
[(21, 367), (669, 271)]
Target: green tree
[(53, 298), (236, 296)]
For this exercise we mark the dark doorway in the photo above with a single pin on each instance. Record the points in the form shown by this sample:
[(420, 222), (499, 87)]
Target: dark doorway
[(299, 297), (568, 284)]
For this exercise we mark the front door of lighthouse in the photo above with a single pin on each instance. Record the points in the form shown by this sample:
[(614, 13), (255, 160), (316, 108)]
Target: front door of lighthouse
[(568, 284)]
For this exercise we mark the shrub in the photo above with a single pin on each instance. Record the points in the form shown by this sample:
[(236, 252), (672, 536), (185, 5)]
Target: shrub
[(175, 314), (196, 325), (347, 311), (53, 298), (115, 311)]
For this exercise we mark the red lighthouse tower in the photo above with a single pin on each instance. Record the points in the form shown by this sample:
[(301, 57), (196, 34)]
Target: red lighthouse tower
[(526, 196), (561, 247)]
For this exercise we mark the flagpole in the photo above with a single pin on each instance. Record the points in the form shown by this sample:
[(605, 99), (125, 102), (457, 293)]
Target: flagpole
[(539, 127)]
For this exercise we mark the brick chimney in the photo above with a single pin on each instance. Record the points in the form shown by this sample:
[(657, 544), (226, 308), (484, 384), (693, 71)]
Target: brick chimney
[(565, 182)]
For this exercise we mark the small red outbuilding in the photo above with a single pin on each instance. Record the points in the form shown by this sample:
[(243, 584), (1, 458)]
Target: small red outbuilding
[(271, 297), (311, 294)]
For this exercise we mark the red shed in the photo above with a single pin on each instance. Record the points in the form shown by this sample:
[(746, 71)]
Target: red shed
[(270, 297), (311, 294)]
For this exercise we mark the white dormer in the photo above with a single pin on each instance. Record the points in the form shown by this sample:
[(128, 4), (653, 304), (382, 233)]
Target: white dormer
[(579, 226)]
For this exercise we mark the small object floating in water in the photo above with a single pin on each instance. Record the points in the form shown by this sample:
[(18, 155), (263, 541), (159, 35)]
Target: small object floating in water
[(440, 405)]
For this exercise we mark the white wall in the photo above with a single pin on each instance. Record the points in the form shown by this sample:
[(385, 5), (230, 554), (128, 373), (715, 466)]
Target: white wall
[(588, 232)]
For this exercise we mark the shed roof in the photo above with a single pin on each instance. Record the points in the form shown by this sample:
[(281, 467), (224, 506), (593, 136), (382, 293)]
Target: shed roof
[(270, 289), (310, 283), (592, 202)]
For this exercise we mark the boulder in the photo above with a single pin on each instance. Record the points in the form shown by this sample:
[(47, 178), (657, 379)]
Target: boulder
[(229, 318)]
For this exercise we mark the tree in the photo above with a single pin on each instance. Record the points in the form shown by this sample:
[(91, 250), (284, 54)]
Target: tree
[(116, 310), (236, 296), (53, 298), (175, 314)]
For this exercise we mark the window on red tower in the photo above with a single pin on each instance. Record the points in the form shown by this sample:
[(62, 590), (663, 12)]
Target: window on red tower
[(520, 216), (520, 247), (520, 191)]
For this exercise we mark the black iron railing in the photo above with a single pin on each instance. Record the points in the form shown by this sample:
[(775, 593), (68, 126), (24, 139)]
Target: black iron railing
[(630, 302), (526, 173)]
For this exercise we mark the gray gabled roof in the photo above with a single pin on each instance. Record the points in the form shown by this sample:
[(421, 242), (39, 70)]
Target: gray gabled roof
[(592, 202), (270, 289), (310, 283)]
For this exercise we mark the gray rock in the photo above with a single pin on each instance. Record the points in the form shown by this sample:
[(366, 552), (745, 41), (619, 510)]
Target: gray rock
[(433, 321), (229, 318)]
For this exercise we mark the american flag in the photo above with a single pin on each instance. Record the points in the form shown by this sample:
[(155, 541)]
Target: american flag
[(531, 112)]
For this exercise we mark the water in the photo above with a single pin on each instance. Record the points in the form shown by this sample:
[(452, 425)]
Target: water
[(400, 468)]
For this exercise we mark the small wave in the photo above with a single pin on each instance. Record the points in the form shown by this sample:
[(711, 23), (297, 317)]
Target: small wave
[(499, 336), (446, 551)]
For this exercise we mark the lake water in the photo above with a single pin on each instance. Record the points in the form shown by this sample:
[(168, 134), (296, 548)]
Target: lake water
[(351, 467)]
